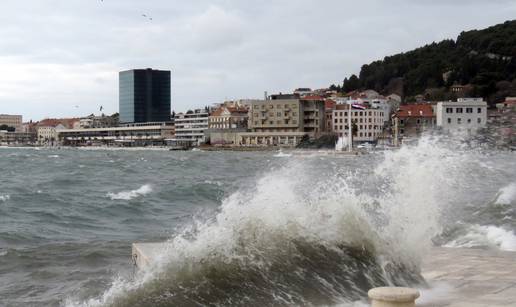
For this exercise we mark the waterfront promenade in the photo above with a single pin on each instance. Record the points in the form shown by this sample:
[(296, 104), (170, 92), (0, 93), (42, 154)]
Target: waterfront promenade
[(457, 277)]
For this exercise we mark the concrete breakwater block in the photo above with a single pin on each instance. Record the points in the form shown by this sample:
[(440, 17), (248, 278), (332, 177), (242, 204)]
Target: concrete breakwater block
[(458, 277)]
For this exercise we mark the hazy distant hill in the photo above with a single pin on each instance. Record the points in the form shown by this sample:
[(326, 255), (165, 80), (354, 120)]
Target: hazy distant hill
[(483, 59)]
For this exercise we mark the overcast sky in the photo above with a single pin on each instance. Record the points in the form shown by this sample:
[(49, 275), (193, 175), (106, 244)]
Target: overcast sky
[(61, 58)]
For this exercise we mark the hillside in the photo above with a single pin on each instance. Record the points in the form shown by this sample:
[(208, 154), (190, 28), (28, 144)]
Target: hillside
[(483, 60)]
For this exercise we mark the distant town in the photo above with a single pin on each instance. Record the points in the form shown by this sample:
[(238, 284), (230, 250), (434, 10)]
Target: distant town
[(305, 117)]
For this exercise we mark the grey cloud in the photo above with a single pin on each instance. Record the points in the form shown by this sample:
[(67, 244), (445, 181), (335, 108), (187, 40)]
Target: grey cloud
[(56, 54)]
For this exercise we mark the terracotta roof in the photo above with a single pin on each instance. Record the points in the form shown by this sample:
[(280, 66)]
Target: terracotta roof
[(53, 122), (329, 104), (415, 110), (312, 97)]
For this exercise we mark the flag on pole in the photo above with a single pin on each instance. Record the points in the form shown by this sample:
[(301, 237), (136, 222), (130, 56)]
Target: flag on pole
[(358, 106)]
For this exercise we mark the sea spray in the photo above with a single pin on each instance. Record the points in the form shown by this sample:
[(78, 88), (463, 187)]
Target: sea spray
[(479, 236), (507, 195), (299, 238)]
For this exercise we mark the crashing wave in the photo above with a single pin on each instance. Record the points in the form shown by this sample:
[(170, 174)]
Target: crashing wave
[(282, 243)]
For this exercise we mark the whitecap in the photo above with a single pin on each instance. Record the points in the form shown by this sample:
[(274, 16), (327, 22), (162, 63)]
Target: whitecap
[(53, 156), (5, 197), (128, 195), (506, 195), (486, 236), (282, 155), (217, 183)]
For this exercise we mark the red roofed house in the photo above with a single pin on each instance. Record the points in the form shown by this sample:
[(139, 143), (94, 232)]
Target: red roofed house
[(411, 120), (224, 122)]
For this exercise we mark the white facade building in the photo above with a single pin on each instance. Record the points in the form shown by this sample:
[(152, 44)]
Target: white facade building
[(191, 127), (369, 123), (48, 135), (465, 113)]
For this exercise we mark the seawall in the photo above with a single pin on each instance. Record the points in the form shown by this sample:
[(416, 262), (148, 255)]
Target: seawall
[(457, 277)]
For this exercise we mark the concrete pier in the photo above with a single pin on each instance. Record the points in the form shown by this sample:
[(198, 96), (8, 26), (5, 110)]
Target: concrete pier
[(457, 277), (469, 278)]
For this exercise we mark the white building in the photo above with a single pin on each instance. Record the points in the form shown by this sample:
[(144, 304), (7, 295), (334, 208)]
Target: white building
[(369, 123), (145, 135), (48, 135), (465, 113), (190, 127)]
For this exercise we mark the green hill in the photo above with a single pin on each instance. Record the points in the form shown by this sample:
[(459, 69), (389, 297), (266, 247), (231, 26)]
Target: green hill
[(485, 60)]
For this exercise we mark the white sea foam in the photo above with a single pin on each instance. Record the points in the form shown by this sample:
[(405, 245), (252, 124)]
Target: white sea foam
[(128, 195), (214, 182), (5, 197), (486, 236), (54, 156), (281, 154), (506, 195), (398, 224)]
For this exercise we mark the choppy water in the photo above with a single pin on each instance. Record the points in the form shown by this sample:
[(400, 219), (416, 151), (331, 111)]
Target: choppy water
[(243, 228)]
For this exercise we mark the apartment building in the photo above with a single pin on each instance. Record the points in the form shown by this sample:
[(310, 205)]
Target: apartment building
[(464, 114), (225, 122), (49, 135), (191, 127), (284, 122), (367, 124), (411, 120), (14, 121), (287, 115)]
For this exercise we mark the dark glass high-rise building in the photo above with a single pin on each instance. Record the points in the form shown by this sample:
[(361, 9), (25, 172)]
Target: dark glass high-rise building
[(144, 96)]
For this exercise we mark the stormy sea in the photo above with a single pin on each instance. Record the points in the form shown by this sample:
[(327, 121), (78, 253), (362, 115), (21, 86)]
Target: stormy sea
[(289, 228)]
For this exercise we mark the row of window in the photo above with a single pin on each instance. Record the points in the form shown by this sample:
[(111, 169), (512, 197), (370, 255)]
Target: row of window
[(279, 122), (460, 110), (278, 106), (360, 120), (364, 134), (459, 120), (360, 113), (360, 127), (279, 114), (419, 121)]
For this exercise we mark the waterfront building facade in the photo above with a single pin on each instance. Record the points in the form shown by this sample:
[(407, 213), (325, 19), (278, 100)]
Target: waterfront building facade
[(144, 96), (49, 135), (367, 124), (13, 121), (144, 135), (288, 115), (224, 123), (190, 128), (17, 138), (464, 114), (411, 120)]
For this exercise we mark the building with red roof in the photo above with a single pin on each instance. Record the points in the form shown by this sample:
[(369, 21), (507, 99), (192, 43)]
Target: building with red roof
[(411, 120)]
